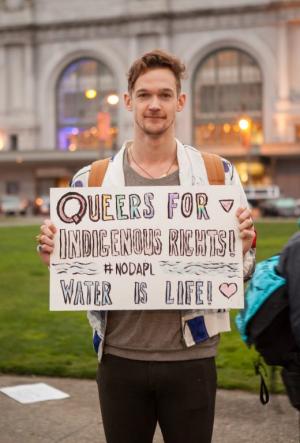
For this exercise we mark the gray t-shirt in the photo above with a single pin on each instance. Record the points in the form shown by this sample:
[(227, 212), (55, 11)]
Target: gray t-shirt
[(151, 335)]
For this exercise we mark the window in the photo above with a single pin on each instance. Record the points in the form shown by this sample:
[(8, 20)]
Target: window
[(13, 142), (12, 188), (87, 103), (227, 86)]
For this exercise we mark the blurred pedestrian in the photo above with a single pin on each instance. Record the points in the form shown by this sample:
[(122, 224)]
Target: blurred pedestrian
[(289, 268)]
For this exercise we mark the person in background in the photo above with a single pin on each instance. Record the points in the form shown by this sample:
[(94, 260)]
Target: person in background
[(289, 268)]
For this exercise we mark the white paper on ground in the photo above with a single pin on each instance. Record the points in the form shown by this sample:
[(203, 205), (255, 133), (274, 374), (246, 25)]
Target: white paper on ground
[(32, 393)]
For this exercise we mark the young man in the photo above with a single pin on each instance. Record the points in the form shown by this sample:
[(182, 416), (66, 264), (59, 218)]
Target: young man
[(158, 366)]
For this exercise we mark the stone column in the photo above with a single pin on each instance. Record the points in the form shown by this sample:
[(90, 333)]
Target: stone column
[(15, 78), (2, 80), (29, 78), (283, 61), (133, 49), (284, 132)]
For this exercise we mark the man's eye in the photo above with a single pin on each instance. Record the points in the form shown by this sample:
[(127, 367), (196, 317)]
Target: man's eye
[(143, 95), (166, 95)]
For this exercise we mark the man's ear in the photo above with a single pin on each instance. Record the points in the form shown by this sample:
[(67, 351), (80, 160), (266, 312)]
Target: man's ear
[(128, 101), (181, 102)]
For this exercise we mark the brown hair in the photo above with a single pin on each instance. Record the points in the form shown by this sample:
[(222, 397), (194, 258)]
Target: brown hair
[(152, 60)]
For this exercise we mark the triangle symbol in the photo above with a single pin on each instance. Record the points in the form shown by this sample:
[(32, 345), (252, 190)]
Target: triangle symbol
[(226, 204)]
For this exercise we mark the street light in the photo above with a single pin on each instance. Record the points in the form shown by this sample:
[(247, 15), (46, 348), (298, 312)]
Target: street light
[(245, 124), (90, 94), (113, 99)]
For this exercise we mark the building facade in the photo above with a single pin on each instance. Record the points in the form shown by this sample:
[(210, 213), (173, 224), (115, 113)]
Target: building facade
[(63, 67)]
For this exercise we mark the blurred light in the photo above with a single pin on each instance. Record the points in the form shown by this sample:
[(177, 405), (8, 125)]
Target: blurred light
[(94, 130), (244, 124), (90, 94), (1, 142), (75, 131), (113, 99), (244, 177), (211, 126), (39, 201), (256, 169), (72, 147), (226, 128)]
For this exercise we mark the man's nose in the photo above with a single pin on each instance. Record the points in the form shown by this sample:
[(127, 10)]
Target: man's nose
[(154, 103)]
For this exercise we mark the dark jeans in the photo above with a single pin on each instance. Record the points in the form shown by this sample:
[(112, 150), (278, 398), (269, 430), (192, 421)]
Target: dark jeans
[(135, 395)]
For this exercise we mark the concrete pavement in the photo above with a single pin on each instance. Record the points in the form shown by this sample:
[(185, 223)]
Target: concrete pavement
[(240, 418)]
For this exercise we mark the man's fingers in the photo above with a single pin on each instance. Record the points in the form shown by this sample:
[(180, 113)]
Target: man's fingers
[(46, 232), (46, 249), (46, 240), (239, 211), (49, 225), (245, 221), (246, 225), (243, 214), (48, 229)]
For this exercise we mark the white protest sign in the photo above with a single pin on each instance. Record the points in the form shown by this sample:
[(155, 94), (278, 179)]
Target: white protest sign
[(146, 248)]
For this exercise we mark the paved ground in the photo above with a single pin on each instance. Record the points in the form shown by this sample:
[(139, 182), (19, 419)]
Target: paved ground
[(240, 418)]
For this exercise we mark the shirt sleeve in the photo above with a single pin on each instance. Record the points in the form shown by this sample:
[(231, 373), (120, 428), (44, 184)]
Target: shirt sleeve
[(81, 177)]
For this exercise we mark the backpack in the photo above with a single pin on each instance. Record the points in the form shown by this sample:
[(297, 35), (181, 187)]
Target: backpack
[(265, 324), (213, 164)]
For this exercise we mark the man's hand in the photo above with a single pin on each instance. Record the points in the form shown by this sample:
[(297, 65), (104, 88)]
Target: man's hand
[(246, 227), (46, 241)]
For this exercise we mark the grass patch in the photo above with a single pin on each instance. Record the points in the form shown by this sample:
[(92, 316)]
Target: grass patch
[(36, 341)]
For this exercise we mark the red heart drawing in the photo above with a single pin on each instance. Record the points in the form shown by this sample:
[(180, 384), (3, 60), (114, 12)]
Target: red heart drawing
[(228, 289)]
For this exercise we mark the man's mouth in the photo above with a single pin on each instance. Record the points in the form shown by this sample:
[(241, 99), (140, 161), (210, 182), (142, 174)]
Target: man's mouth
[(158, 117)]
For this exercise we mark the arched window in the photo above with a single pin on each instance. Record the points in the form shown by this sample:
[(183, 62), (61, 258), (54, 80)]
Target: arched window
[(227, 87), (87, 102)]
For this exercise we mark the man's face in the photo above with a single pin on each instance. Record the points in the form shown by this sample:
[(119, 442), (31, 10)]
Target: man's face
[(154, 102)]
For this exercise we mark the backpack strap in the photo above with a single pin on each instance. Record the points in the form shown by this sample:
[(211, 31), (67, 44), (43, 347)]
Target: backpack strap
[(97, 172), (214, 168)]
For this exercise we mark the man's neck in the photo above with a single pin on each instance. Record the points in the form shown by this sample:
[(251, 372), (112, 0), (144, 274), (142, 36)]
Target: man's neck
[(148, 149)]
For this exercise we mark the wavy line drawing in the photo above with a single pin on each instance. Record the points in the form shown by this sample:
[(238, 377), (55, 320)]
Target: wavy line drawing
[(87, 272), (73, 263), (176, 267), (76, 268)]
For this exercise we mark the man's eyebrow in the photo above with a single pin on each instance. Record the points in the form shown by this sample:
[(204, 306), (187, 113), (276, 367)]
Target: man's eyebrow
[(160, 90)]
